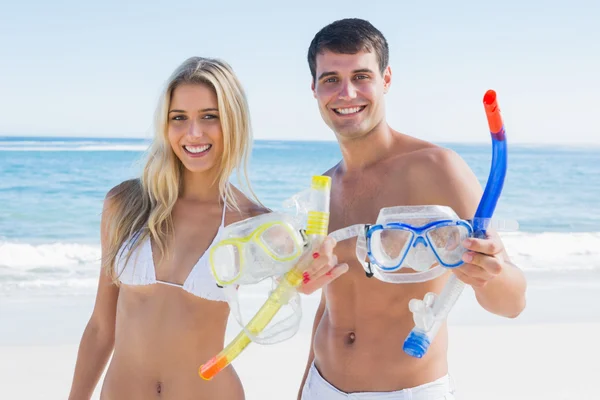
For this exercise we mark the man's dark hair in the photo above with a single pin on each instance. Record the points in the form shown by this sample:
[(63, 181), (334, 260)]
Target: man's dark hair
[(349, 36)]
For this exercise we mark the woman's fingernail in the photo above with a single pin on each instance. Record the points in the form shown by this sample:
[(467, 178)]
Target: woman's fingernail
[(328, 273), (468, 257), (315, 255), (305, 277)]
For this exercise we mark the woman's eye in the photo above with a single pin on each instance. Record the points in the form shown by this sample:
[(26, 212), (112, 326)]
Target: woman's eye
[(179, 118), (209, 116)]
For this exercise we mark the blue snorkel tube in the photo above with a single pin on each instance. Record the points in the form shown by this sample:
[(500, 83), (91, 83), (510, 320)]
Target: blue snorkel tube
[(432, 311), (495, 182)]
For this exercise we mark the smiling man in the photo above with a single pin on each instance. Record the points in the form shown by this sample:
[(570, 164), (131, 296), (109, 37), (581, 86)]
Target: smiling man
[(356, 349)]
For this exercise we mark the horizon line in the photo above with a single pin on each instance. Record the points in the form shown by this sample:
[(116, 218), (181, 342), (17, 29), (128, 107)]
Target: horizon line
[(482, 141)]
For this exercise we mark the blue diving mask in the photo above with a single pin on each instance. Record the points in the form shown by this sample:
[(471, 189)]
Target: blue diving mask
[(409, 244)]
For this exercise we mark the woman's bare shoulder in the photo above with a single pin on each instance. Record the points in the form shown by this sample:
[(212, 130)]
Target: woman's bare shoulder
[(247, 208)]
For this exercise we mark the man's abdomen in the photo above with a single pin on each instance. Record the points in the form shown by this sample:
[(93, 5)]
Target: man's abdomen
[(361, 350)]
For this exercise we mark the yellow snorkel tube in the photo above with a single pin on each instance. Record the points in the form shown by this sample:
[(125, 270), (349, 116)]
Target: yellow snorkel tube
[(316, 231)]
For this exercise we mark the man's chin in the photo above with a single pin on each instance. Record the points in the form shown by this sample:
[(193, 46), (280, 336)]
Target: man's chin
[(349, 132)]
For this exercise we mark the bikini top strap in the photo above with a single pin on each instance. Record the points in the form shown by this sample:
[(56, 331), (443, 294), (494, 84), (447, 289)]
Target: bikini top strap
[(224, 211)]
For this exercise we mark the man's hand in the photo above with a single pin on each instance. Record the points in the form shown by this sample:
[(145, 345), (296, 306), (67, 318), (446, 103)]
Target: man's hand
[(323, 268), (483, 262)]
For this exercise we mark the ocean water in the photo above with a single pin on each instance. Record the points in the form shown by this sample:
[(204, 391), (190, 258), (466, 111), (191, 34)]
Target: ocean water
[(51, 193)]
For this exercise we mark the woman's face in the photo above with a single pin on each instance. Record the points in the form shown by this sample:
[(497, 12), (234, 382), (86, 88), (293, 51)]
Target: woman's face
[(194, 127)]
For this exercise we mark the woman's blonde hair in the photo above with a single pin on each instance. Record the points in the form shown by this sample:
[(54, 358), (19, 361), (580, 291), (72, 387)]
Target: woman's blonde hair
[(142, 207)]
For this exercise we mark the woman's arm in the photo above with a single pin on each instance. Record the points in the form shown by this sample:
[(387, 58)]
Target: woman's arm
[(98, 338)]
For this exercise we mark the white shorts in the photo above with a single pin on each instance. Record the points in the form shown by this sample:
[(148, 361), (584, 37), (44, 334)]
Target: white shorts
[(316, 387)]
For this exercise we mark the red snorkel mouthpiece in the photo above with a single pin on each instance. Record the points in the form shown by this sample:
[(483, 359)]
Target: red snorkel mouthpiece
[(492, 112)]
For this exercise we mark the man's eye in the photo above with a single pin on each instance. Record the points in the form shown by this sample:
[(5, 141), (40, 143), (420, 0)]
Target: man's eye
[(329, 80)]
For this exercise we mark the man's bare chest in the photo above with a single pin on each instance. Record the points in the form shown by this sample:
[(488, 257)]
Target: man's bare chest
[(361, 203)]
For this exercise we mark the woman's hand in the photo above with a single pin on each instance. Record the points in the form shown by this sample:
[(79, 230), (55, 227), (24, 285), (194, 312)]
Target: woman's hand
[(323, 268)]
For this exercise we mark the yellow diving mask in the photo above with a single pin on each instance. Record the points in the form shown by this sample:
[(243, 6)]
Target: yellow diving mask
[(257, 248)]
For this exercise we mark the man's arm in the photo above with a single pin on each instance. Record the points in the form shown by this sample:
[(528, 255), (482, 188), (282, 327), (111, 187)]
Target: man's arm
[(499, 285), (311, 354)]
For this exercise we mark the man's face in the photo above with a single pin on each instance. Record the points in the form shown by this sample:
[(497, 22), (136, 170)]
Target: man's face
[(350, 91)]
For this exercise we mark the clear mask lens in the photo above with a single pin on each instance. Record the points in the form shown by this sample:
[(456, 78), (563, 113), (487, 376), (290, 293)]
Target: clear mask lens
[(280, 242), (389, 246), (226, 262), (446, 241)]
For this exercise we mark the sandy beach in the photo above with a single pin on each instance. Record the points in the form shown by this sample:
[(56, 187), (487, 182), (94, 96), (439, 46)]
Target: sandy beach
[(549, 352)]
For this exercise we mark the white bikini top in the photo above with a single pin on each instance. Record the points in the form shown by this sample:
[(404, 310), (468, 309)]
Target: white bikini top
[(141, 269)]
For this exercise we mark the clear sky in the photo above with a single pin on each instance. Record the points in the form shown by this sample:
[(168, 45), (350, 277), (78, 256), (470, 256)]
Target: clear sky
[(82, 68)]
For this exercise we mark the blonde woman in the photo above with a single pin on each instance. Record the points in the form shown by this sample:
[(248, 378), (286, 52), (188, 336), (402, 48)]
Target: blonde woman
[(158, 310)]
